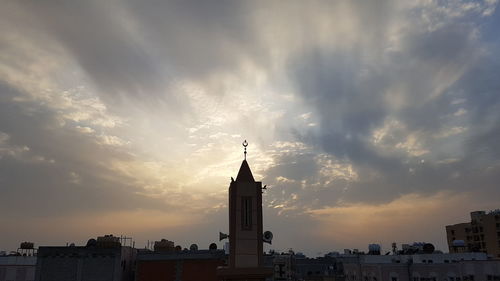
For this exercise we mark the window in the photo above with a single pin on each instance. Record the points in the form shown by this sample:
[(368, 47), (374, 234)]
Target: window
[(246, 213)]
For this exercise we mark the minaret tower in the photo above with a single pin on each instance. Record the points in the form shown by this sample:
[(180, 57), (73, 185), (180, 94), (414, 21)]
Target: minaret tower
[(245, 229)]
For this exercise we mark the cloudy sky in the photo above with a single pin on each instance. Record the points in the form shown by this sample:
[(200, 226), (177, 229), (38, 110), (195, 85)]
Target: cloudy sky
[(371, 121)]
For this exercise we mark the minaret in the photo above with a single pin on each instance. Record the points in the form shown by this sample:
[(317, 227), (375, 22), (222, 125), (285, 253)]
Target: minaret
[(245, 229)]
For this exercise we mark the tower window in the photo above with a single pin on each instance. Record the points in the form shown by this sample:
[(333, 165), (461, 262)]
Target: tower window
[(246, 213)]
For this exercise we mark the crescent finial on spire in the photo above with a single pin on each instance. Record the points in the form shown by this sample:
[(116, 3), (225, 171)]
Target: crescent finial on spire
[(245, 144)]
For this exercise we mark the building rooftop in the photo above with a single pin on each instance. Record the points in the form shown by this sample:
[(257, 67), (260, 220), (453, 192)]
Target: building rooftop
[(17, 260), (184, 255)]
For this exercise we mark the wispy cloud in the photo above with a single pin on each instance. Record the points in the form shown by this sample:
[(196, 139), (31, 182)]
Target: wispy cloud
[(121, 109)]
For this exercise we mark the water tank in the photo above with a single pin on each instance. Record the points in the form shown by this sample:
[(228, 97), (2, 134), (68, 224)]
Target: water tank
[(108, 241), (164, 245), (374, 249), (27, 245), (92, 242), (193, 247), (212, 246), (428, 248)]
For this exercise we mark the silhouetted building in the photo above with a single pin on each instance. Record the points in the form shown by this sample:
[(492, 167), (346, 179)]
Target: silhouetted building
[(187, 265), (319, 269), (421, 267), (481, 234), (289, 266), (17, 267), (104, 259)]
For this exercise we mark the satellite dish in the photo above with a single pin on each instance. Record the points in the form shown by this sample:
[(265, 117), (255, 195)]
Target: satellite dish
[(267, 237), (92, 242), (223, 236), (428, 248)]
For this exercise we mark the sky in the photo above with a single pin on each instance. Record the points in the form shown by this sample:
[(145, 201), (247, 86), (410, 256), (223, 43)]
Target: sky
[(369, 121)]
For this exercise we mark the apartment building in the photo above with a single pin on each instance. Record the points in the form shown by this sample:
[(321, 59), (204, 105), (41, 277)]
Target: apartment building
[(481, 234)]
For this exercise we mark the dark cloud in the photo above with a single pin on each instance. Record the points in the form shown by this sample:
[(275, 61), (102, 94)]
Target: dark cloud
[(137, 50), (425, 78), (430, 71)]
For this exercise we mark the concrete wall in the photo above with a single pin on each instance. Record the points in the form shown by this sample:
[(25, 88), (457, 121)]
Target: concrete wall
[(173, 270), (465, 269), (85, 264), (17, 268)]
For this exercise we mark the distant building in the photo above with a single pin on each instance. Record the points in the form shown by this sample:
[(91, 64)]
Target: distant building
[(187, 265), (17, 268), (297, 267), (104, 259), (481, 234), (421, 267), (319, 269)]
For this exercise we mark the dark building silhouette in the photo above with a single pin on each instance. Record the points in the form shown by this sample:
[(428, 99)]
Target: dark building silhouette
[(104, 259), (186, 265), (245, 229)]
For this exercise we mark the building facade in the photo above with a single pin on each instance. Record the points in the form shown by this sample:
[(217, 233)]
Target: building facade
[(101, 260), (17, 268), (185, 265), (422, 267), (481, 234)]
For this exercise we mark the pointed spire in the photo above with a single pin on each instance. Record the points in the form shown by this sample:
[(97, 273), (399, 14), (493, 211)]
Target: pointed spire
[(245, 175)]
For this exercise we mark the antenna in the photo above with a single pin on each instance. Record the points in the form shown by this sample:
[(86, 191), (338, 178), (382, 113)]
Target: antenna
[(245, 144)]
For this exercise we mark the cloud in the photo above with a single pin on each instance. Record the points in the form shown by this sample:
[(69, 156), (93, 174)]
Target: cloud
[(404, 220), (125, 109)]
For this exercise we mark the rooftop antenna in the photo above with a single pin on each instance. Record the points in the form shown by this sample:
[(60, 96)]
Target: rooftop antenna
[(245, 144)]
